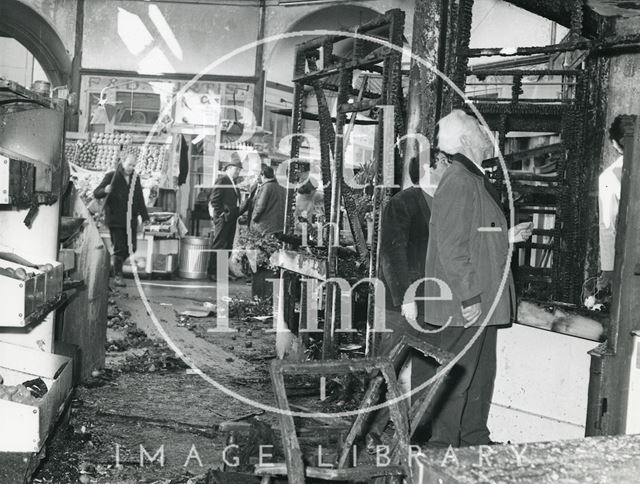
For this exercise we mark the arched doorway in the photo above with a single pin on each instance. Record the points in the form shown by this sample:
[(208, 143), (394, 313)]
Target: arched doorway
[(25, 25), (280, 59), (279, 64)]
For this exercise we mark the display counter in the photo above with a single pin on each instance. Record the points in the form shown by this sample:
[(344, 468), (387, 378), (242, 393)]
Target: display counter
[(543, 371), (158, 245)]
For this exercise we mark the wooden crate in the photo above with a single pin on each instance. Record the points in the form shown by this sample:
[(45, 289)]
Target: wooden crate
[(24, 428)]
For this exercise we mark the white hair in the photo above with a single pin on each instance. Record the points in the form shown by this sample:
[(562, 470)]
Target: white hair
[(458, 125)]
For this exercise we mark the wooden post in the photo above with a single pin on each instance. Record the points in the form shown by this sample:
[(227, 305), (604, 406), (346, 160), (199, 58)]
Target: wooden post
[(85, 318), (425, 87), (611, 361), (331, 313)]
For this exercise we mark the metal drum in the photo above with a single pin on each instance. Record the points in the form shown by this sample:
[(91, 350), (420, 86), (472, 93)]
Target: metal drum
[(41, 87), (194, 258)]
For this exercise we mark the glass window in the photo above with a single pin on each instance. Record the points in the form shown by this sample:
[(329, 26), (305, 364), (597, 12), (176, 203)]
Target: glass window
[(137, 108)]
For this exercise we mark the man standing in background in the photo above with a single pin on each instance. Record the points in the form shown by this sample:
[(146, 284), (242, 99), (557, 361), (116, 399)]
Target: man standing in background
[(115, 187), (225, 206), (270, 204), (608, 205), (403, 249)]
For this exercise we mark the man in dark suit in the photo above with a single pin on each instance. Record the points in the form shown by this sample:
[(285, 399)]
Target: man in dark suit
[(468, 250), (225, 204), (270, 204), (116, 186), (403, 250)]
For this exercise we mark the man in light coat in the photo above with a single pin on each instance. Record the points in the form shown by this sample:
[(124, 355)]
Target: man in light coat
[(468, 251), (609, 185)]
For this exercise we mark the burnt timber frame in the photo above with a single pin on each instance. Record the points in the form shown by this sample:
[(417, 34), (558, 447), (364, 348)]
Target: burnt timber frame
[(381, 60), (295, 468), (577, 157), (607, 407), (387, 367)]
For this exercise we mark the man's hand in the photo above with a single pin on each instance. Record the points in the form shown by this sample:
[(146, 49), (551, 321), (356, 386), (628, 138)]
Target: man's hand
[(410, 311), (471, 313), (520, 232), (107, 189), (605, 279)]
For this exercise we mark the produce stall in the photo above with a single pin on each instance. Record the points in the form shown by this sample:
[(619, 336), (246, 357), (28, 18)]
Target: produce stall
[(35, 383), (90, 160)]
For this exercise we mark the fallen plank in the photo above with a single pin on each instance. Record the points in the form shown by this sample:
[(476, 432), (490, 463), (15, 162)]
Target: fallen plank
[(355, 474)]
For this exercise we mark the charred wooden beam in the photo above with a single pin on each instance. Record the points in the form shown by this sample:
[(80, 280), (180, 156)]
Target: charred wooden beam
[(561, 12), (480, 72), (605, 45), (358, 106), (374, 57)]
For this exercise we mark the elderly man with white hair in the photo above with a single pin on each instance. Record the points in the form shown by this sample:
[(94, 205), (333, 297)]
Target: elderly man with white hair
[(467, 251)]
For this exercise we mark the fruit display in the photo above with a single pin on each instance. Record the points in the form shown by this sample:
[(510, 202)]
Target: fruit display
[(19, 273), (101, 155), (151, 160), (111, 138), (18, 394), (86, 182), (97, 157), (86, 155), (70, 150)]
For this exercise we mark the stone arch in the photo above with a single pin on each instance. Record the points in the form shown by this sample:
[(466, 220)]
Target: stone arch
[(28, 27), (334, 17)]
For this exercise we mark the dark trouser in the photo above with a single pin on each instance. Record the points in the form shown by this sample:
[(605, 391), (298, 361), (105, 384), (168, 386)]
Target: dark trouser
[(461, 414), (121, 245), (462, 406), (225, 232)]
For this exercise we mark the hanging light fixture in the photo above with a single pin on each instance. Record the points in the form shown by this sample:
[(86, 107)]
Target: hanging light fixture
[(106, 110)]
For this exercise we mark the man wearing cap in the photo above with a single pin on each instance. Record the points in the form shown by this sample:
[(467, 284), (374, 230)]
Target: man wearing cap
[(468, 251), (225, 205)]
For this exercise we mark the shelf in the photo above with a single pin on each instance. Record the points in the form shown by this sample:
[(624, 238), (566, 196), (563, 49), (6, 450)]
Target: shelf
[(12, 91), (303, 264), (38, 316)]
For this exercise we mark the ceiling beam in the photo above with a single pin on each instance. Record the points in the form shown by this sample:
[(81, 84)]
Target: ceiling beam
[(559, 11)]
